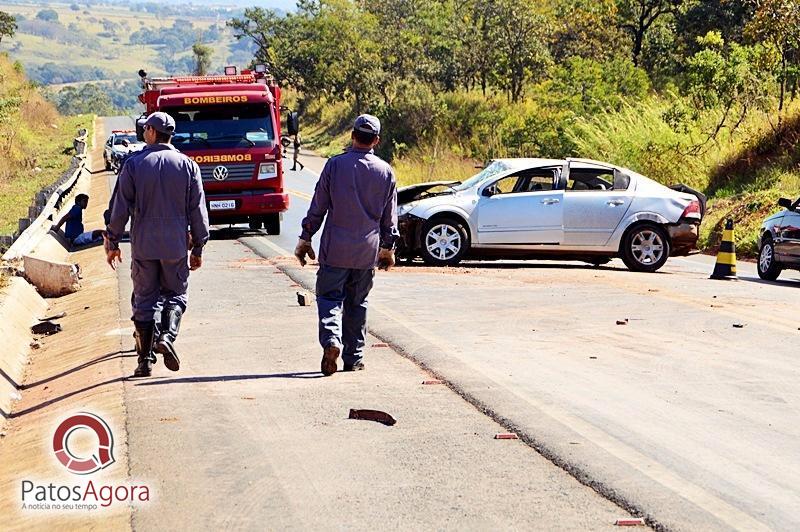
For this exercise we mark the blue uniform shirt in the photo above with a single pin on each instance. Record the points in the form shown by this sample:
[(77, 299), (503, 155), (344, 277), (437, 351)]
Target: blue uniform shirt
[(74, 225), (161, 190), (358, 192)]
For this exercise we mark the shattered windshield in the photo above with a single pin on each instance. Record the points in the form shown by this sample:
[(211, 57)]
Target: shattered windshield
[(222, 126), (493, 169)]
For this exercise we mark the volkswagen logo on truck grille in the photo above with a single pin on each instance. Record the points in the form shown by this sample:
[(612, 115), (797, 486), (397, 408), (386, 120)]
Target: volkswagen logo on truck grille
[(221, 173)]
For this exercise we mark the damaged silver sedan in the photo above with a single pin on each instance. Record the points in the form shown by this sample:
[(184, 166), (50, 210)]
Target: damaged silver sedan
[(573, 209)]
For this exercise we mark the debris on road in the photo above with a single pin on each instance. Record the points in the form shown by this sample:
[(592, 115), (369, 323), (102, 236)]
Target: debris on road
[(54, 317), (303, 299), (506, 436), (380, 344), (622, 322), (593, 358), (630, 522), (35, 345), (739, 325), (433, 381), (46, 328), (372, 415)]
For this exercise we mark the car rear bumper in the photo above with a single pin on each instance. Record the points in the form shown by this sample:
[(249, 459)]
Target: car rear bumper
[(683, 237), (248, 203)]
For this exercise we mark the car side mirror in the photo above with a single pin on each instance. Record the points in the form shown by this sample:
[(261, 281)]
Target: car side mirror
[(125, 143), (292, 123), (786, 203), (488, 192)]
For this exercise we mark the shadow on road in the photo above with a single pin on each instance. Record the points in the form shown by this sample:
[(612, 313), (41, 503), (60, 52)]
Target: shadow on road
[(225, 378), (779, 282)]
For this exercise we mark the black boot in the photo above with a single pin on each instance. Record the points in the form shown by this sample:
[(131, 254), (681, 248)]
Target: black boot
[(170, 325), (145, 336)]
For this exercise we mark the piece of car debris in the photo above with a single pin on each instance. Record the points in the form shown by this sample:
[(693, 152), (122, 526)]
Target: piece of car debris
[(46, 328), (506, 436), (432, 381), (622, 322), (303, 299), (739, 325), (631, 521), (372, 415), (54, 317)]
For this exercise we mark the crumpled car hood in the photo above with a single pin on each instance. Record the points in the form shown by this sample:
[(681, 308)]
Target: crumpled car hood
[(414, 192)]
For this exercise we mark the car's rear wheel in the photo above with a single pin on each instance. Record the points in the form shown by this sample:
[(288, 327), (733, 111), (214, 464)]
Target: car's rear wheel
[(444, 241), (768, 268), (645, 248)]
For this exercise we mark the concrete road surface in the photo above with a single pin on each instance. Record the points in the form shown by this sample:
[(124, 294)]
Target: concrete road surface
[(249, 436), (689, 413)]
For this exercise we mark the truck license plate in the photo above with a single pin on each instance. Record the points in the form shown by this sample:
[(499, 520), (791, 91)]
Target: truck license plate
[(219, 205)]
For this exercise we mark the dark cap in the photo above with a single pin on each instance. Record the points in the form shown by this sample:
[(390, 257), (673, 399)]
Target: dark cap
[(161, 122), (367, 124)]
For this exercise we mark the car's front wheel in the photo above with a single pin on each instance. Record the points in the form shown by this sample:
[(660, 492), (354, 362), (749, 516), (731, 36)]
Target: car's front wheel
[(444, 241), (768, 268), (645, 248)]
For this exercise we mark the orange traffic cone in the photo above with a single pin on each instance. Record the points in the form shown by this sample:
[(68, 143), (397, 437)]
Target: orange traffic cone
[(725, 268)]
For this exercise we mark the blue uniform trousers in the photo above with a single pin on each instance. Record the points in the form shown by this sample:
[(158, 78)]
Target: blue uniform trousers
[(342, 306), (158, 283)]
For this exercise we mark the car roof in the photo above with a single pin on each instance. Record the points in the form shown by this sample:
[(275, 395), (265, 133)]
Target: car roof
[(525, 162)]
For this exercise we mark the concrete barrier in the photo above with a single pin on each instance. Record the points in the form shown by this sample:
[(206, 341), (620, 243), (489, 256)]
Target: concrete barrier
[(20, 308), (51, 278)]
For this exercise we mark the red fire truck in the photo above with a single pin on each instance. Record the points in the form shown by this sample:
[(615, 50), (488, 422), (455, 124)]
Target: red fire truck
[(231, 126)]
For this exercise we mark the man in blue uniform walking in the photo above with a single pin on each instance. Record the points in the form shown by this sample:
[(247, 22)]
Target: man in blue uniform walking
[(357, 192), (161, 190)]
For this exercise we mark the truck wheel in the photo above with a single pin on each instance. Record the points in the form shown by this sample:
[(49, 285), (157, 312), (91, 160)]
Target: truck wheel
[(272, 223), (444, 242), (768, 268), (645, 248)]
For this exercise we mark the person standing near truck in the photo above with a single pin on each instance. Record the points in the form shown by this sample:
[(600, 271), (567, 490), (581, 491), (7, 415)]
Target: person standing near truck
[(161, 190), (357, 191), (296, 157)]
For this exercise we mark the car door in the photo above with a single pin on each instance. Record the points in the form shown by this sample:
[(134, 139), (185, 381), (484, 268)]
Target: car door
[(787, 245), (524, 207), (595, 201)]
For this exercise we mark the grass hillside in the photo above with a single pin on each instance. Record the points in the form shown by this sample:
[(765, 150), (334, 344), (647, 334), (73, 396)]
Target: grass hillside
[(35, 143), (109, 41), (743, 173)]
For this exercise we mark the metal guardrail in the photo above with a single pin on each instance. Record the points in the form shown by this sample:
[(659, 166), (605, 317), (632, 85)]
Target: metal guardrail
[(46, 202)]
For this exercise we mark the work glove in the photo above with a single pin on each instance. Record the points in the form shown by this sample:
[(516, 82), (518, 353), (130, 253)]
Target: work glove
[(385, 259), (304, 248)]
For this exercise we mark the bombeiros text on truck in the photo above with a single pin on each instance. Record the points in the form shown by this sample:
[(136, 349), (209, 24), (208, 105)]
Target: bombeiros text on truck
[(230, 125)]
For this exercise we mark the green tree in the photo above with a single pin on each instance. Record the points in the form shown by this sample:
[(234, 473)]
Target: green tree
[(86, 99), (48, 15), (777, 23), (638, 16), (579, 32), (519, 34), (730, 80), (8, 25), (203, 54)]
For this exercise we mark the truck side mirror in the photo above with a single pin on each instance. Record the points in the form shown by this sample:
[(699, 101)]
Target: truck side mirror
[(140, 128), (292, 123), (786, 203)]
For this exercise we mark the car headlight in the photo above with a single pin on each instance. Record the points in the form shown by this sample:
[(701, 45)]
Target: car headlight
[(267, 170), (405, 208)]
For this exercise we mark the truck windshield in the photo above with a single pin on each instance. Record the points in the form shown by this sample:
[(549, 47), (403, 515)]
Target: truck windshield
[(224, 126)]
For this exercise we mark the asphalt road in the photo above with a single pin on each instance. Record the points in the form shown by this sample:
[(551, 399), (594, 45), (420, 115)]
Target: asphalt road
[(689, 413)]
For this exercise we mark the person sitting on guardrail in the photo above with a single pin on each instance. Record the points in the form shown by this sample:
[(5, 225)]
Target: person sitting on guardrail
[(74, 218)]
